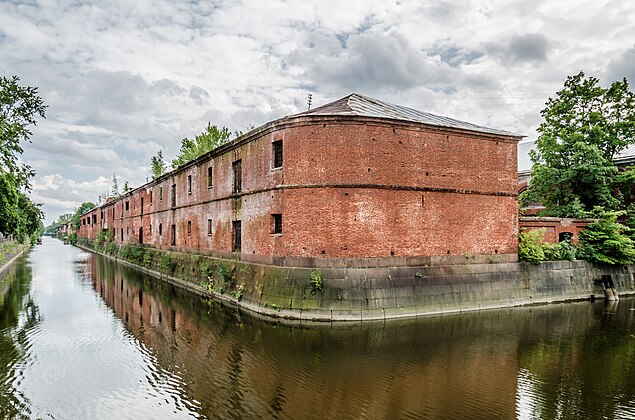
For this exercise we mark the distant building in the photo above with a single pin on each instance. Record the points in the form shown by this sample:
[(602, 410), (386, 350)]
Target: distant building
[(356, 179)]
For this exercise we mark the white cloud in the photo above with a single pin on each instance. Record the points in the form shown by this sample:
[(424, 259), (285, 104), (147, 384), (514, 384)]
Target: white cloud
[(124, 79)]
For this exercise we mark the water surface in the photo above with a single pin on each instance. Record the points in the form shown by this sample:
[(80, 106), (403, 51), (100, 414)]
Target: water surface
[(83, 337)]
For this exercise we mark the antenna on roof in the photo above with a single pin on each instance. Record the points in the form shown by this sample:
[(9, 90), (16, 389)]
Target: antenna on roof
[(308, 100)]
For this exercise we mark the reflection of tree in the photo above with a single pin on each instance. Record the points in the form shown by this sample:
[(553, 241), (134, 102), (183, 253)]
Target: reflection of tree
[(585, 372), (18, 315)]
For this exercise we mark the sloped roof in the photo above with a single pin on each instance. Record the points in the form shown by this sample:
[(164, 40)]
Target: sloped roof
[(626, 156), (363, 106)]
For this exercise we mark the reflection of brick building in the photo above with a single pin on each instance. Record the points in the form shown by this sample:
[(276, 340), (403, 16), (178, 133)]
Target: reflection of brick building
[(356, 178)]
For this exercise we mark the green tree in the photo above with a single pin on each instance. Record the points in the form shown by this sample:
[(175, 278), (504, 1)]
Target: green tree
[(83, 208), (158, 164), (19, 108), (585, 126), (115, 186), (606, 241), (210, 139)]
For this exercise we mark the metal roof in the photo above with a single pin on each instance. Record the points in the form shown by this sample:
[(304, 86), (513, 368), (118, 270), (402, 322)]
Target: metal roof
[(626, 156), (358, 105)]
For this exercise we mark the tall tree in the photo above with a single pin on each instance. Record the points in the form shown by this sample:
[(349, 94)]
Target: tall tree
[(210, 139), (585, 126), (115, 186), (158, 164), (19, 108)]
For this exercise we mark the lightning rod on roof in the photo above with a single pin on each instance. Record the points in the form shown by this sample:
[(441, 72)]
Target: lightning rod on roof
[(308, 100)]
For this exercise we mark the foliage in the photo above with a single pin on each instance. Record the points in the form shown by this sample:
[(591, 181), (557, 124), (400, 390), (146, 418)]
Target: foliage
[(126, 187), (224, 271), (210, 139), (533, 248), (584, 127), (316, 281), (19, 107), (83, 208), (115, 186), (606, 241), (158, 164), (530, 245)]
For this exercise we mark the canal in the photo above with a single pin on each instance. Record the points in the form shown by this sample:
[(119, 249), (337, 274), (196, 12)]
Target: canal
[(84, 337)]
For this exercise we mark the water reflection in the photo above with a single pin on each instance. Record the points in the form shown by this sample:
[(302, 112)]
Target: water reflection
[(564, 361), (18, 316), (84, 337)]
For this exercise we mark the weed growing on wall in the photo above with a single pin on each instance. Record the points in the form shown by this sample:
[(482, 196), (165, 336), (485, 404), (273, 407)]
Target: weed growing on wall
[(316, 281)]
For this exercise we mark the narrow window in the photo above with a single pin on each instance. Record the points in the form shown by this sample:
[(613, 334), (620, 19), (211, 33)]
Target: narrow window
[(277, 223), (173, 195), (173, 240), (160, 228), (209, 177), (122, 234), (238, 176), (150, 229), (160, 193), (237, 236), (189, 228), (277, 154), (209, 227), (141, 204), (189, 184), (127, 205), (141, 235), (95, 218), (150, 196), (134, 203)]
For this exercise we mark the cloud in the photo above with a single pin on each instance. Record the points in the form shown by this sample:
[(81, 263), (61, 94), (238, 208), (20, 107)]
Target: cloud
[(623, 67), (520, 49)]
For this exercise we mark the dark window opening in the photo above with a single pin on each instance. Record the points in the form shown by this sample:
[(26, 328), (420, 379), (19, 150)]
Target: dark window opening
[(141, 204), (160, 193), (122, 234), (209, 226), (141, 235), (160, 228), (127, 205), (277, 223), (95, 218), (209, 177), (173, 236), (189, 227), (173, 195), (237, 236), (565, 237), (238, 176), (150, 197), (277, 154), (189, 184)]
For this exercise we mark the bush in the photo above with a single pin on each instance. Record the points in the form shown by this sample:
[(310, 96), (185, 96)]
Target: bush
[(606, 241), (531, 245)]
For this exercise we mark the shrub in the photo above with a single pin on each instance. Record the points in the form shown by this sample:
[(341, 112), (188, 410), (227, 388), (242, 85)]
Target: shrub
[(530, 245), (606, 241)]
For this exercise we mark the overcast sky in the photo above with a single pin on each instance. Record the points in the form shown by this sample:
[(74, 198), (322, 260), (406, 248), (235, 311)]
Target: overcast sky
[(125, 78)]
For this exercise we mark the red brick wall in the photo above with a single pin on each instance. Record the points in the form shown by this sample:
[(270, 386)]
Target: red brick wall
[(348, 188), (554, 226)]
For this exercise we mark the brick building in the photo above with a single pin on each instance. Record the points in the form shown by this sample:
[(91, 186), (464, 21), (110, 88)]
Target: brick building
[(355, 179)]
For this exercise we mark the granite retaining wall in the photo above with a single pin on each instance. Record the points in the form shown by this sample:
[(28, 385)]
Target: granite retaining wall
[(355, 294)]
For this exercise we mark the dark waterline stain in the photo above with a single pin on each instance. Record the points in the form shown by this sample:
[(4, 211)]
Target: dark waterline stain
[(83, 337)]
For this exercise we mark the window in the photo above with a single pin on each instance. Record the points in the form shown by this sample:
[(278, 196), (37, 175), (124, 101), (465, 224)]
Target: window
[(189, 184), (150, 196), (160, 193), (238, 176), (122, 234), (141, 204), (237, 235), (150, 229), (277, 223), (127, 205), (173, 195), (277, 154), (565, 237), (209, 227), (173, 236), (189, 228), (95, 218), (209, 177), (160, 228)]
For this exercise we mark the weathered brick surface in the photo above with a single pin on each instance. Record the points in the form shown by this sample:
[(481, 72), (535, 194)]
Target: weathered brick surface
[(348, 188)]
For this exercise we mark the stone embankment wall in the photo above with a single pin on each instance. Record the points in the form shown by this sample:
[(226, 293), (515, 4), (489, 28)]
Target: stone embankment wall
[(371, 293)]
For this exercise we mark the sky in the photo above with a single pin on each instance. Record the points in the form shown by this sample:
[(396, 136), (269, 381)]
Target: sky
[(123, 79)]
